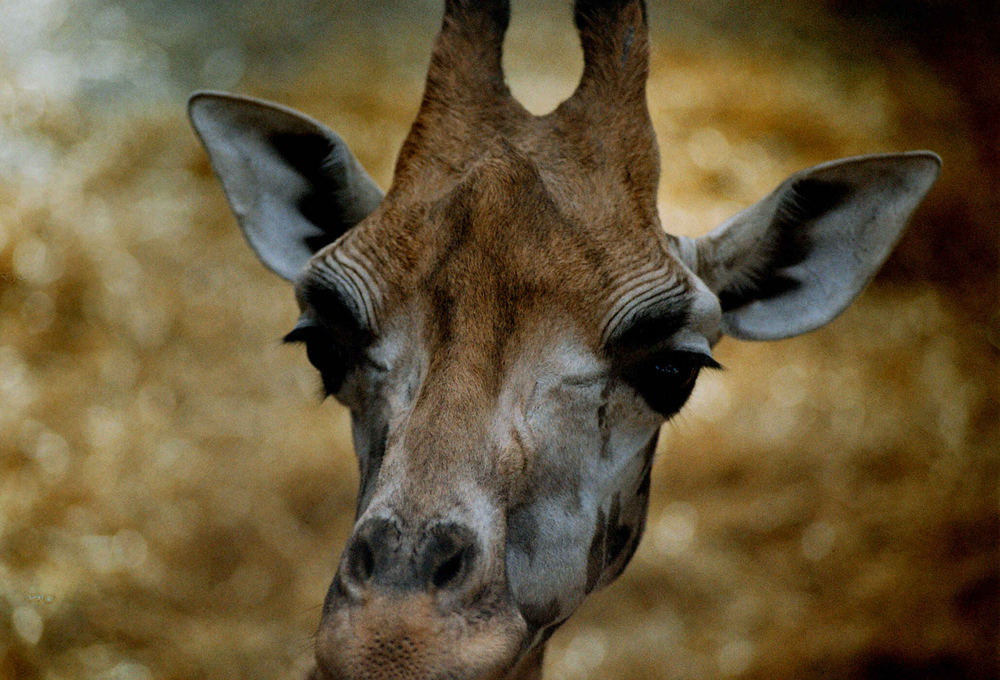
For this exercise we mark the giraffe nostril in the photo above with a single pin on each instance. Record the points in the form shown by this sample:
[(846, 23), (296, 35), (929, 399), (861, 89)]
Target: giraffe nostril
[(452, 568), (361, 561), (449, 556)]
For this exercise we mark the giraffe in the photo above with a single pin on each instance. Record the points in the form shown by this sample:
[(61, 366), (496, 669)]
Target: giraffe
[(510, 325)]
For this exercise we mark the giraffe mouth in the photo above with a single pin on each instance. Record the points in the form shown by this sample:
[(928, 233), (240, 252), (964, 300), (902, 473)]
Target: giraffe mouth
[(404, 636)]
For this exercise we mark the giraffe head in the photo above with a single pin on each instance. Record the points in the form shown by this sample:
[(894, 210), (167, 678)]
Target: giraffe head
[(510, 325)]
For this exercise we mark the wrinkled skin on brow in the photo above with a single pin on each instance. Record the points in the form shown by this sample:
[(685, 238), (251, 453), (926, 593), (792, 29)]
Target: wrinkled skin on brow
[(509, 326)]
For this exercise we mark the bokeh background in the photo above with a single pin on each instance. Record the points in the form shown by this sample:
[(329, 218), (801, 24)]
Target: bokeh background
[(174, 495)]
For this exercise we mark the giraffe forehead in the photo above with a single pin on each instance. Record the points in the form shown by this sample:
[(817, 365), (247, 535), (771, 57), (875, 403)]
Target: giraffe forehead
[(500, 243)]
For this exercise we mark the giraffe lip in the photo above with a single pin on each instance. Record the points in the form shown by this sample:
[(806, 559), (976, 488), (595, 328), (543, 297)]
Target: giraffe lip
[(410, 632)]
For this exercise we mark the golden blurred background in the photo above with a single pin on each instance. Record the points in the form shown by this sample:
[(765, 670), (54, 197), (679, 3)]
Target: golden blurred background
[(174, 495)]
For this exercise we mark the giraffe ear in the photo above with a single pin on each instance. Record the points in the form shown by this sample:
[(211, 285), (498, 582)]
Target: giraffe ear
[(796, 259), (292, 183)]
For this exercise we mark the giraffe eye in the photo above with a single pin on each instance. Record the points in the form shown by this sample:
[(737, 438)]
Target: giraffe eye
[(674, 375), (324, 353), (665, 381)]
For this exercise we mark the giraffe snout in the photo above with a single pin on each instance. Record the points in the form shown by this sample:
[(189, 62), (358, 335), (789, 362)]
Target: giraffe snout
[(438, 557), (418, 600)]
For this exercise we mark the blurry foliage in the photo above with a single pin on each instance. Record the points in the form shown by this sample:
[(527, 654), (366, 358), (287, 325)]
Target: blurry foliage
[(173, 496)]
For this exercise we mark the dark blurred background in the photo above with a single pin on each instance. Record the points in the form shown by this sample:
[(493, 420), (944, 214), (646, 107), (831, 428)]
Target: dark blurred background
[(174, 495)]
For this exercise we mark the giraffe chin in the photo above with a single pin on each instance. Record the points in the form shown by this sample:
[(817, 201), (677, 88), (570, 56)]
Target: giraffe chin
[(408, 636)]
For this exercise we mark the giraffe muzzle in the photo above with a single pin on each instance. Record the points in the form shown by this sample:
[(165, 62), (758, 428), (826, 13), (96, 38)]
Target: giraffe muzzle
[(418, 600)]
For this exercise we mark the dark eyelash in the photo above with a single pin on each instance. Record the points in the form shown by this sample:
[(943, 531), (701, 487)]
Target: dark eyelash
[(695, 360), (299, 334), (323, 353), (683, 358)]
